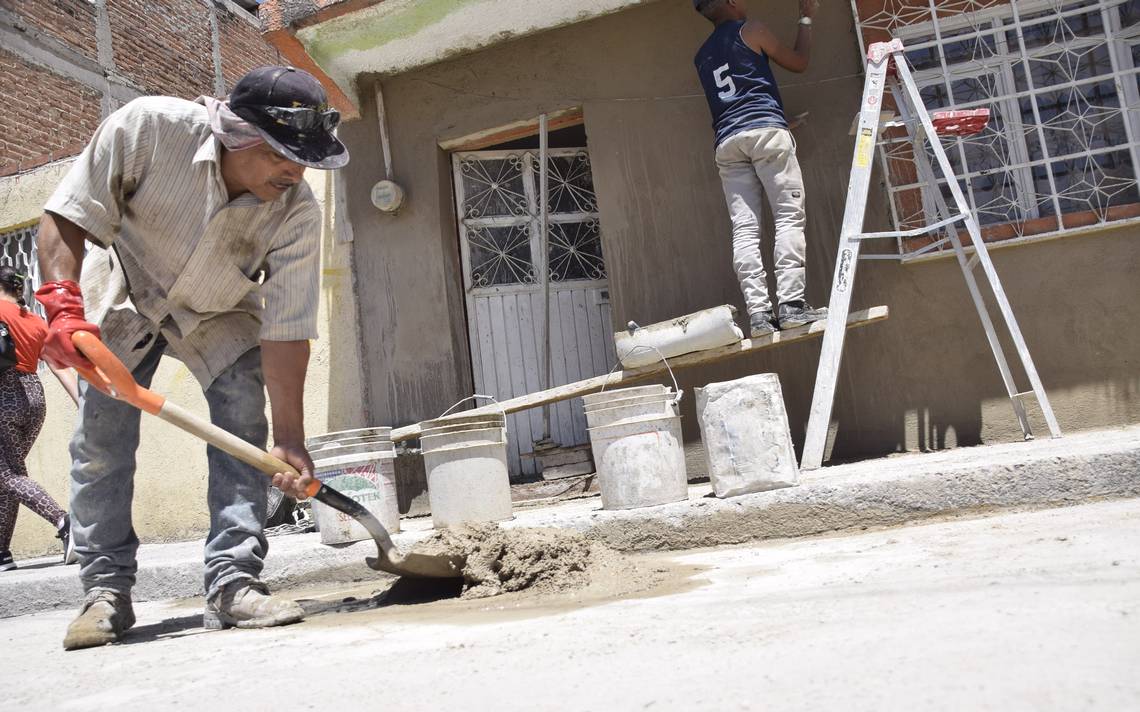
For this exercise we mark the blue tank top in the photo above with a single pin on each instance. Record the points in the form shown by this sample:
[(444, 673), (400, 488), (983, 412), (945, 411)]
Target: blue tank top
[(738, 82)]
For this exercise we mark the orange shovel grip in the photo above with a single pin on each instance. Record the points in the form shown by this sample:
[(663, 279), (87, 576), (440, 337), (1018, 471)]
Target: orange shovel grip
[(111, 376)]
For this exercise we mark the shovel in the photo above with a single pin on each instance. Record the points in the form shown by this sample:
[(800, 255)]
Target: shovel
[(112, 377)]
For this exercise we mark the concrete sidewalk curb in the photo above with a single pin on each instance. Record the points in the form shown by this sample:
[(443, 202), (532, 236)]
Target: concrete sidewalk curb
[(890, 491)]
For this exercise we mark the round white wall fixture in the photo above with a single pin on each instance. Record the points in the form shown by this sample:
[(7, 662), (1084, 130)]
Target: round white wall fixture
[(387, 196)]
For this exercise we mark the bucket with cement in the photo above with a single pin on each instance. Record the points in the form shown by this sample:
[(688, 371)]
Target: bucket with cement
[(363, 471), (475, 425), (637, 446), (745, 431), (467, 474), (345, 437), (468, 436), (595, 400), (624, 404), (640, 462)]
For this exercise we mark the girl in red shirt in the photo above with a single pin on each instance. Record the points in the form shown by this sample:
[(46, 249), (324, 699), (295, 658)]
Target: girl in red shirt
[(22, 411)]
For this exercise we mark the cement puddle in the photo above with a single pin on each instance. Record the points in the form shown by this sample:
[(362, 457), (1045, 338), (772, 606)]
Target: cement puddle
[(439, 602)]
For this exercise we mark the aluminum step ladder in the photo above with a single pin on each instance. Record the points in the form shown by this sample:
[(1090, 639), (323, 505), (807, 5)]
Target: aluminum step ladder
[(887, 68)]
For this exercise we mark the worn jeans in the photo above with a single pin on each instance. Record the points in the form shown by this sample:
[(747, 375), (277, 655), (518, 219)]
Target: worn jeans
[(748, 161), (103, 471)]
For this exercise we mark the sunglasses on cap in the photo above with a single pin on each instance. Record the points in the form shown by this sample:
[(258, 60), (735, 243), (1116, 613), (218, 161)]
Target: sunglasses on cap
[(301, 119)]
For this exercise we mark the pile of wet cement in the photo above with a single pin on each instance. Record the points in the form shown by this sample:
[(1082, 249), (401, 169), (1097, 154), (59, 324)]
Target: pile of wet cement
[(510, 560)]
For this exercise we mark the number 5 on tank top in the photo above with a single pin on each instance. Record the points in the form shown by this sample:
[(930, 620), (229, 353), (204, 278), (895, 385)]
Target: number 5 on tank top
[(720, 76)]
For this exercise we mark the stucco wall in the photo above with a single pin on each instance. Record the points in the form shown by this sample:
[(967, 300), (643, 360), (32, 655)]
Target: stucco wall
[(925, 378), (170, 485)]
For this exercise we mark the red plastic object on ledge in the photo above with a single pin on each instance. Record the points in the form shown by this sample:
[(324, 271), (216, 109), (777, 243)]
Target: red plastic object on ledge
[(960, 123)]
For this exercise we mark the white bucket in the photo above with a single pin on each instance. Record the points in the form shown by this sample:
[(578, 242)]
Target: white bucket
[(364, 472), (593, 399), (344, 437), (467, 475), (468, 483), (453, 420), (632, 400), (663, 407), (471, 436), (640, 463), (441, 429)]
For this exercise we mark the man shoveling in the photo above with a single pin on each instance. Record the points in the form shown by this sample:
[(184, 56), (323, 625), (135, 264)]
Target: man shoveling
[(754, 151), (207, 246)]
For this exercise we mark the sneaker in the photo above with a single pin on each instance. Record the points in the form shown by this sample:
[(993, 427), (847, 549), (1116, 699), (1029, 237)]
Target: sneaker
[(103, 619), (247, 604), (800, 313), (6, 562), (65, 540), (762, 324)]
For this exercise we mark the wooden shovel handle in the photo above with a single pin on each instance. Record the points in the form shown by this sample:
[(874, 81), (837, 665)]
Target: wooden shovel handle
[(112, 377)]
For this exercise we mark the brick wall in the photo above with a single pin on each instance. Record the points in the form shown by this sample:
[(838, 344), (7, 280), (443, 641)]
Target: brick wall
[(44, 125), (164, 46), (157, 47), (72, 22), (242, 48)]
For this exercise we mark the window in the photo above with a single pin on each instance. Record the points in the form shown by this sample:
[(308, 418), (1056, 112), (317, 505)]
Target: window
[(1062, 150), (18, 250)]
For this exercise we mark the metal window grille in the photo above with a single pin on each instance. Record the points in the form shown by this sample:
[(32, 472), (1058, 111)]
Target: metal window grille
[(500, 212), (18, 250), (1062, 150)]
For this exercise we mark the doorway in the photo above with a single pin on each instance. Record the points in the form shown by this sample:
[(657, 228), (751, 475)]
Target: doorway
[(497, 204)]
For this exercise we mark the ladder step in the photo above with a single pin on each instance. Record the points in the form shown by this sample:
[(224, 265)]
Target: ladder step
[(972, 262), (1024, 393)]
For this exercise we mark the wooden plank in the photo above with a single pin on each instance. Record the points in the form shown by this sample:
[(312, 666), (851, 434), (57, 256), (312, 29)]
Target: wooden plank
[(623, 377)]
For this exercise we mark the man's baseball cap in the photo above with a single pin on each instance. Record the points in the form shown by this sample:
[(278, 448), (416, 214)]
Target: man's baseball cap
[(289, 108)]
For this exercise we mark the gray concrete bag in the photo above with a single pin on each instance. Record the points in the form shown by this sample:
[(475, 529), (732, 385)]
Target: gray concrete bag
[(748, 444)]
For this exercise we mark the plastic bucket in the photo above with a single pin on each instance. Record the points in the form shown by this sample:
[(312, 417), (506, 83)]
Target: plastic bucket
[(468, 482), (640, 462), (364, 472), (592, 399), (345, 436), (481, 425), (449, 421), (465, 458), (632, 400), (478, 436), (638, 411)]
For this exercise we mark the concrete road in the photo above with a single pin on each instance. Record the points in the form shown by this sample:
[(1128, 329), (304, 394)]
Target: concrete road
[(1034, 610)]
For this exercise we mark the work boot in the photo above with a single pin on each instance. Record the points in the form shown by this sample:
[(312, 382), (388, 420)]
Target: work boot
[(65, 540), (105, 616), (762, 324), (247, 604), (800, 313)]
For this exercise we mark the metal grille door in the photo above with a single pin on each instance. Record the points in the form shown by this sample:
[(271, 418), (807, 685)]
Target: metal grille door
[(497, 199)]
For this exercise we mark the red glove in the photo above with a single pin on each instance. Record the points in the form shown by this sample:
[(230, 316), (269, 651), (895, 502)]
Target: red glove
[(64, 304)]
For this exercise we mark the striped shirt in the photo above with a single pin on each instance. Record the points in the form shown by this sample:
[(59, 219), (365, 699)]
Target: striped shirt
[(214, 276)]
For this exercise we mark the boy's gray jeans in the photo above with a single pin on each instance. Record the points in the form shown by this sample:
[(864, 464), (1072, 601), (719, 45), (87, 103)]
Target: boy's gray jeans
[(748, 161), (103, 470)]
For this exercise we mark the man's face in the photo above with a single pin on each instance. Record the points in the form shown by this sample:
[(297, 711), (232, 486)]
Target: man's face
[(262, 171)]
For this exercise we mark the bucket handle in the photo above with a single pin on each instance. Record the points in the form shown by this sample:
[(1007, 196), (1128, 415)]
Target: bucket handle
[(636, 349), (474, 397)]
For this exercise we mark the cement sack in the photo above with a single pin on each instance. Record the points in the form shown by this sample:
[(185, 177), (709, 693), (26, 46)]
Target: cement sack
[(707, 329), (748, 445)]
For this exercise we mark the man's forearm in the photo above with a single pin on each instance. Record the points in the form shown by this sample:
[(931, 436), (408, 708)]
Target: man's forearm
[(803, 43), (59, 244), (284, 364)]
